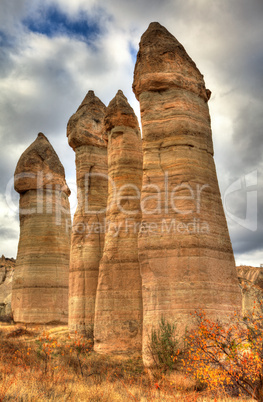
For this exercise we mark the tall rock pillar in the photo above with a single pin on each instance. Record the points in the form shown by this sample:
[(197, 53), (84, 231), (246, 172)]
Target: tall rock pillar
[(40, 282), (118, 312), (187, 261), (85, 133)]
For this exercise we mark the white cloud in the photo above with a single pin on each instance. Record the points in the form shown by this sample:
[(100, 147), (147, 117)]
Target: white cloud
[(73, 8), (254, 259), (9, 228)]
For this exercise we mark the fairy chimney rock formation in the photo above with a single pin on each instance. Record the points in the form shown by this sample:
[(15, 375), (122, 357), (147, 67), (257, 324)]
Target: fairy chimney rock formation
[(40, 282), (187, 262), (118, 311), (85, 133)]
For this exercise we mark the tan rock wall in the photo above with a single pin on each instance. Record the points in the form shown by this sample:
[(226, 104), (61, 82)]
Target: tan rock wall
[(251, 281), (7, 267), (118, 312), (185, 251)]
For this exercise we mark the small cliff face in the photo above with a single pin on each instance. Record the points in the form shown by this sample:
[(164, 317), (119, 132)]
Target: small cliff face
[(7, 267), (251, 281), (40, 283)]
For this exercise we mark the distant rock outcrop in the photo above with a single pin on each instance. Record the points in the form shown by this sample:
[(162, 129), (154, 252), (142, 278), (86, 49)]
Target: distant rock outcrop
[(185, 251), (118, 311), (85, 133), (251, 280), (7, 267), (40, 283)]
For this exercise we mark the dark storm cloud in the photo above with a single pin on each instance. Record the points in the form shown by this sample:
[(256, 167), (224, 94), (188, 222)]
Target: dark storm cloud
[(248, 133), (245, 78), (241, 245), (236, 61), (244, 210)]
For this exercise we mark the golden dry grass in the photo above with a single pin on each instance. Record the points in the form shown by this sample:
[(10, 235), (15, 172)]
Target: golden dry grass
[(40, 363)]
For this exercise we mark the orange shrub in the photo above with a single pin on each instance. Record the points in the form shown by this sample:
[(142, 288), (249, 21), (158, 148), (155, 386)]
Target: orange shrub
[(228, 355)]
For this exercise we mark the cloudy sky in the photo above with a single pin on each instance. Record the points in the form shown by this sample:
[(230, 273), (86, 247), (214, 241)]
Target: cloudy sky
[(52, 52)]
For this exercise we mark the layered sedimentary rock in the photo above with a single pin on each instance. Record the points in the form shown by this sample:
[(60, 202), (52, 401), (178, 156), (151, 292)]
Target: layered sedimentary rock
[(7, 266), (85, 133), (40, 283), (187, 261), (251, 280), (118, 312)]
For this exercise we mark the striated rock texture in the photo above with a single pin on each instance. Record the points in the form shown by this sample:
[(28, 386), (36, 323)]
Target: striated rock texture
[(7, 266), (118, 312), (251, 280), (85, 133), (40, 282), (185, 252)]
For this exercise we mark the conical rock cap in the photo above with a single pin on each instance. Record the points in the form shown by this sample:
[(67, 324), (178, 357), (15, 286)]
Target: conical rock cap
[(120, 113), (163, 63), (38, 167), (86, 126)]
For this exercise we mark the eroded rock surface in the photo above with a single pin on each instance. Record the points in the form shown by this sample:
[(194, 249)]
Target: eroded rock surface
[(118, 312), (7, 267), (40, 282), (85, 133), (186, 255), (251, 280)]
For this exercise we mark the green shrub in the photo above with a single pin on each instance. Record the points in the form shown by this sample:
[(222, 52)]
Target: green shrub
[(164, 346)]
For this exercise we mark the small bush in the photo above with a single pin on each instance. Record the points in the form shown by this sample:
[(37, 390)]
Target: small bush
[(164, 346)]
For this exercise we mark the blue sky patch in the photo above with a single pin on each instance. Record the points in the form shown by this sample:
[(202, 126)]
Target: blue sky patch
[(133, 52), (52, 22)]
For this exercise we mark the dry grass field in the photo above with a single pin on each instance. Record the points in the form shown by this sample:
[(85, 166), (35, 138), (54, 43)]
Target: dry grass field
[(46, 364)]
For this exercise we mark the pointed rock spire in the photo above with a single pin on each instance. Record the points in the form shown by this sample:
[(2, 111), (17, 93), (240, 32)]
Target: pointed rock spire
[(89, 99), (187, 262), (118, 310), (86, 135), (40, 283)]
